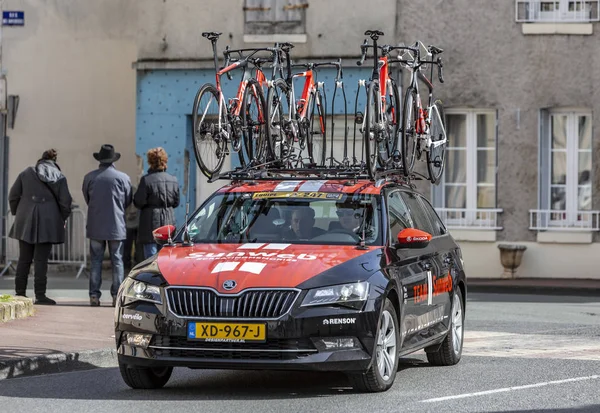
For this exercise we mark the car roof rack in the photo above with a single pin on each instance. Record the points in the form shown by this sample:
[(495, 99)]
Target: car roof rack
[(353, 173)]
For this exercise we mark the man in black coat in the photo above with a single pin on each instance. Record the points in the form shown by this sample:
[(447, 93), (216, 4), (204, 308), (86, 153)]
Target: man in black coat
[(156, 197), (41, 202)]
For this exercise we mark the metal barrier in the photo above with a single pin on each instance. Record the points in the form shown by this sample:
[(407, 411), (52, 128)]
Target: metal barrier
[(74, 251)]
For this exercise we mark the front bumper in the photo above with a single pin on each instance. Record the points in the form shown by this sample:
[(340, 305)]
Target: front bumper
[(293, 341)]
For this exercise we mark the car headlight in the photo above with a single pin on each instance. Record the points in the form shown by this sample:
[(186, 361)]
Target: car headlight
[(138, 290), (350, 295)]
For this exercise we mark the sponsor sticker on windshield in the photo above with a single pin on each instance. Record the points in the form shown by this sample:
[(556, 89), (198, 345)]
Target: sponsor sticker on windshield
[(312, 195)]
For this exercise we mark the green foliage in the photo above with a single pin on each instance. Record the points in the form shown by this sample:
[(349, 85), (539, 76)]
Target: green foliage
[(5, 297)]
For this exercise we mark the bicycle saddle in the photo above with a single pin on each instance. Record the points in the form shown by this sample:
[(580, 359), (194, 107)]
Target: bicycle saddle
[(435, 50), (211, 35), (286, 46), (374, 34)]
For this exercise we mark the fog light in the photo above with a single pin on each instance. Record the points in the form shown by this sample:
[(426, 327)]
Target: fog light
[(139, 340), (336, 343)]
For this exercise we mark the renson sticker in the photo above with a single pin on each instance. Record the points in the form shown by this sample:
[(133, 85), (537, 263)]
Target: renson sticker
[(348, 320)]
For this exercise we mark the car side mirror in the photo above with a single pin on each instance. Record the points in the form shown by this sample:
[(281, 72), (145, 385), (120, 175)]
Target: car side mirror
[(413, 238), (163, 234)]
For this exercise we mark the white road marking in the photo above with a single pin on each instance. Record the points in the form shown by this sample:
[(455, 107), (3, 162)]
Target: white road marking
[(514, 388), (224, 266), (540, 346)]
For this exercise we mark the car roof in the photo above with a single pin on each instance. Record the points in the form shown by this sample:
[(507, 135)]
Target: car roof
[(360, 186)]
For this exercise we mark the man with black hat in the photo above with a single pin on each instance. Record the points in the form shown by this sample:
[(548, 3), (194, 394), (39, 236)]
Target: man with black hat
[(107, 193)]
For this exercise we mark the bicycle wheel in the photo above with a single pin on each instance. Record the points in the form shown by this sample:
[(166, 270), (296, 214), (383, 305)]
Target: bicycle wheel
[(436, 156), (278, 106), (370, 132), (210, 147), (317, 136), (410, 115), (392, 121), (253, 125)]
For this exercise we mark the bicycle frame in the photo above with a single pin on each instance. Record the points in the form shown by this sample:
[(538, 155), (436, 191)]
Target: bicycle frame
[(235, 108), (424, 114), (384, 80), (309, 88)]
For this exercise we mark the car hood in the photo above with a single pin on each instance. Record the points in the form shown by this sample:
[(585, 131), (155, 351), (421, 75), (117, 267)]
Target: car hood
[(250, 265)]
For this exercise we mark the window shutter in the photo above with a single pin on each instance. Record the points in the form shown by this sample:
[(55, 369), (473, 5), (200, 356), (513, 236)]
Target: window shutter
[(260, 10), (544, 163), (290, 10)]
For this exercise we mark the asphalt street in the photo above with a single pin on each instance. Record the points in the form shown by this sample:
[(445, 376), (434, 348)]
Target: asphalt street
[(522, 354)]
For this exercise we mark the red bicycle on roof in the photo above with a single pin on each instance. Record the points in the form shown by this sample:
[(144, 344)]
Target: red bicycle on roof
[(381, 119), (238, 122), (296, 129)]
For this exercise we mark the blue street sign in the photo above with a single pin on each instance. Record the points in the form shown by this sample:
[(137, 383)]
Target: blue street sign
[(13, 18)]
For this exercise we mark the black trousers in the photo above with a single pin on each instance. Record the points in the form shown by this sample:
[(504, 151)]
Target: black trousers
[(39, 254), (130, 260)]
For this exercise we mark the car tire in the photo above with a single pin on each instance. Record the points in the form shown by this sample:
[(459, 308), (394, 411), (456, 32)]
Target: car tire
[(382, 372), (449, 352), (145, 377)]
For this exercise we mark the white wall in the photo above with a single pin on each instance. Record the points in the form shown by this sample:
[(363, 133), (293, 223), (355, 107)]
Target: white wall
[(482, 260), (71, 67)]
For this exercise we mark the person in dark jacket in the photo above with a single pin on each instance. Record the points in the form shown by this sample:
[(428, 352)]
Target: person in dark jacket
[(41, 203), (156, 197), (107, 193)]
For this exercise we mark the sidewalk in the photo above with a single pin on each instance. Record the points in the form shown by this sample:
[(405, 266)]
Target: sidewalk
[(545, 286), (66, 337), (74, 336)]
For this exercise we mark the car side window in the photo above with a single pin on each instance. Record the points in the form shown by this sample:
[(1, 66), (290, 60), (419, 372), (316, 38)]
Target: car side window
[(417, 212), (438, 226), (398, 214)]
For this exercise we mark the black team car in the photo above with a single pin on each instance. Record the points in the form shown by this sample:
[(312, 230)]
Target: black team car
[(328, 275)]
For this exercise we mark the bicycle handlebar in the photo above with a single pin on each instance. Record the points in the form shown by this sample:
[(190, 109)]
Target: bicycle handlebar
[(311, 66), (440, 66), (227, 60), (363, 51)]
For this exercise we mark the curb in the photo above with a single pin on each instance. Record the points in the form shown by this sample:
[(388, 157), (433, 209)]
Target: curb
[(15, 309), (533, 289), (57, 363)]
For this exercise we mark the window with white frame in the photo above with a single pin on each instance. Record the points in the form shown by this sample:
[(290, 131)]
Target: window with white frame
[(565, 186), (466, 197), (272, 17), (556, 11)]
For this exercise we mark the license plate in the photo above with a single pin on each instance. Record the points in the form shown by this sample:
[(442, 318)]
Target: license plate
[(227, 332)]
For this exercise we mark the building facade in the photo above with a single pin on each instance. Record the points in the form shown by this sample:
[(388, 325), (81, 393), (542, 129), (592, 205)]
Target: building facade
[(522, 164)]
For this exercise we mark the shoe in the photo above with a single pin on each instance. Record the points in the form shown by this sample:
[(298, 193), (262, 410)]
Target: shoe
[(114, 301), (94, 301), (20, 295), (43, 300)]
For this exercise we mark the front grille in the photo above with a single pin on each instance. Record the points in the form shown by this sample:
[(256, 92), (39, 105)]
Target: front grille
[(273, 349), (196, 302)]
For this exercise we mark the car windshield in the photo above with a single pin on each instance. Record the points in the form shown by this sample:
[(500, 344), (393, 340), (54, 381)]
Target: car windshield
[(290, 217)]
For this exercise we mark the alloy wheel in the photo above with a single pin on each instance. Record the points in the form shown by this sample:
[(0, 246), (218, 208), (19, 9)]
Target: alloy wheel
[(386, 346), (457, 324)]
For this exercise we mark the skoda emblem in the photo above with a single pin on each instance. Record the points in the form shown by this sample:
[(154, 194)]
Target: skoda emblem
[(229, 285)]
